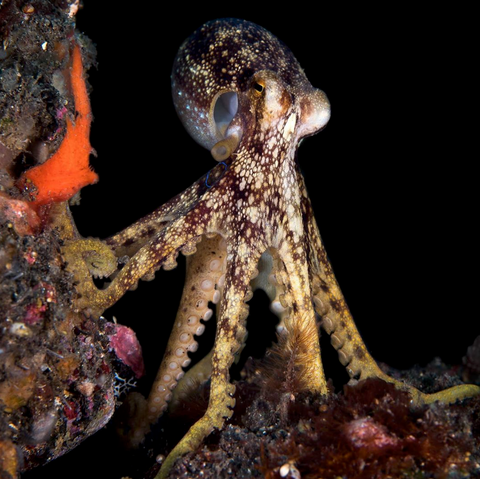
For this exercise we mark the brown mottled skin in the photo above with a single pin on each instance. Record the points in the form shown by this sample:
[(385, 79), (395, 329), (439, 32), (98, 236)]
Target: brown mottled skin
[(250, 224)]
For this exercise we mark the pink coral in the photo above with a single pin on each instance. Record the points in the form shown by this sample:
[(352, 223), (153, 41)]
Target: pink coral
[(124, 342), (365, 433)]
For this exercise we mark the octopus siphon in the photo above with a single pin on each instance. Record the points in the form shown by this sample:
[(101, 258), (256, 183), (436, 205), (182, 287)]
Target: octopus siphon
[(247, 224)]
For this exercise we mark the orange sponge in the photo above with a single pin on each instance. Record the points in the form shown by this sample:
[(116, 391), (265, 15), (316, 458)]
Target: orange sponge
[(68, 169)]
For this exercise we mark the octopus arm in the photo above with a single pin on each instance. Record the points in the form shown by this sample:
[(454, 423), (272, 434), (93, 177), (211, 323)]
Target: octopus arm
[(203, 285), (300, 336), (181, 234), (131, 239), (338, 322), (228, 340)]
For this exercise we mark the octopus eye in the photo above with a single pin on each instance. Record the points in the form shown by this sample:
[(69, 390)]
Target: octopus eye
[(258, 87), (225, 109)]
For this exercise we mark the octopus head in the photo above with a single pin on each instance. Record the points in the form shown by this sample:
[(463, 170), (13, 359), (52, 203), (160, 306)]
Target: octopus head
[(232, 77)]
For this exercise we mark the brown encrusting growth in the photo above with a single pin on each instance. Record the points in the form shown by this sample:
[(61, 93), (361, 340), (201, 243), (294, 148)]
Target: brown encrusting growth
[(368, 430), (57, 376), (56, 372)]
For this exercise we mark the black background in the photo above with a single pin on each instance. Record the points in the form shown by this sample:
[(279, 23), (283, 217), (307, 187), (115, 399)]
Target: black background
[(392, 177)]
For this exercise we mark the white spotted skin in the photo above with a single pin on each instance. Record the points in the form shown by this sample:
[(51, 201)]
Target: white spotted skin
[(224, 56)]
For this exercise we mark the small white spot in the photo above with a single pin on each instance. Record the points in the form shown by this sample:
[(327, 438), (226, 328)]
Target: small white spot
[(215, 264), (216, 297), (179, 352), (19, 329), (253, 213), (277, 307), (184, 337), (207, 285)]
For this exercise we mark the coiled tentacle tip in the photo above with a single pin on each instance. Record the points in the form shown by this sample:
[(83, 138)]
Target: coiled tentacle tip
[(224, 148)]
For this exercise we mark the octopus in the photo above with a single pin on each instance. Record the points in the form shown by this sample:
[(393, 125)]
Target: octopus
[(247, 224)]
